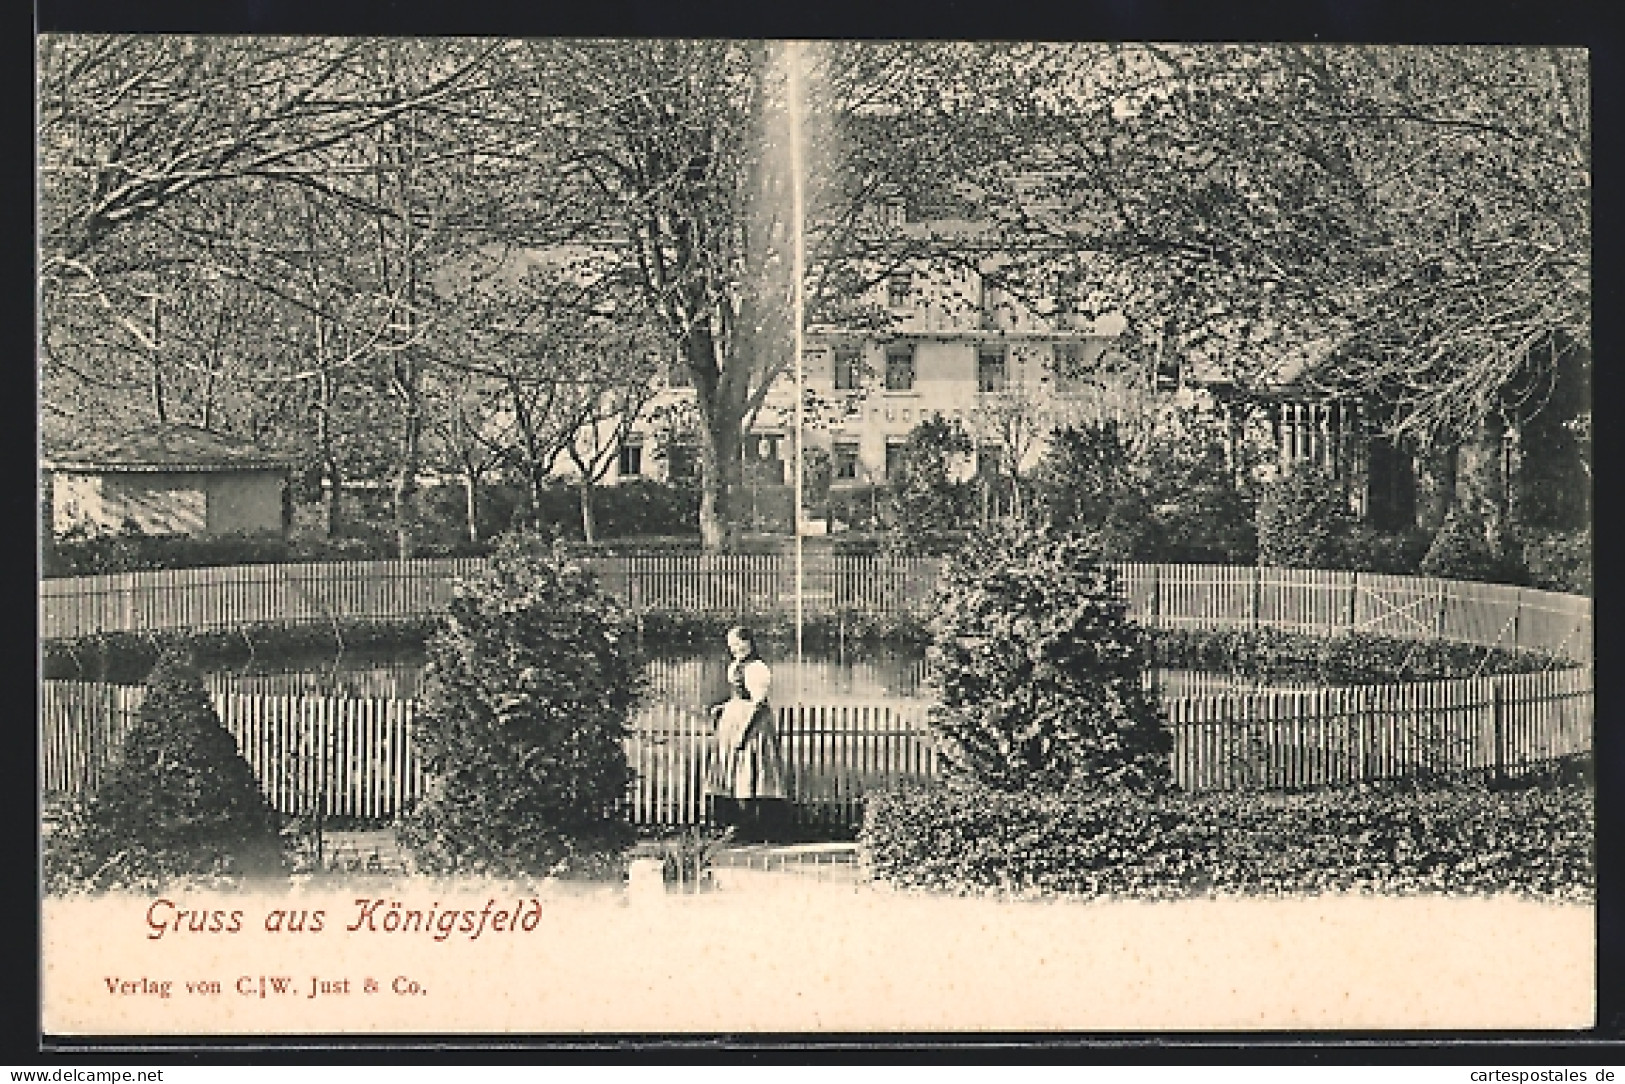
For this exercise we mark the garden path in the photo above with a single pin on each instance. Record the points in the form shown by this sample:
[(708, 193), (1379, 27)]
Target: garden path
[(378, 851)]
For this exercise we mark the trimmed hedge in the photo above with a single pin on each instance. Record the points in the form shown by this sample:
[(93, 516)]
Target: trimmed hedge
[(631, 513), (1351, 658), (129, 655), (132, 552), (1390, 839), (1262, 654), (820, 628)]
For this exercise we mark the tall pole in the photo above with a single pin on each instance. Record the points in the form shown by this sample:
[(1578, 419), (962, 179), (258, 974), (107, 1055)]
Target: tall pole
[(798, 265)]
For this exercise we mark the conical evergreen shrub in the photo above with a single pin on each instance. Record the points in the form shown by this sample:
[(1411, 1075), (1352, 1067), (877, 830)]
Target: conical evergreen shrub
[(521, 721), (178, 801)]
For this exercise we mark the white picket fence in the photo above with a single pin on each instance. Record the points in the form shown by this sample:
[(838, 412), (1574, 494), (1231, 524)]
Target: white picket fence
[(1290, 738), (353, 753), (1320, 602), (353, 756)]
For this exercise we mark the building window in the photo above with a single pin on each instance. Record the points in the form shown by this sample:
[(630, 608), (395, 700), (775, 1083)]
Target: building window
[(894, 460), (988, 457), (846, 461), (992, 369), (1169, 376), (900, 368), (893, 213), (764, 461), (631, 461), (680, 461), (848, 364), (997, 313), (1069, 366), (899, 288)]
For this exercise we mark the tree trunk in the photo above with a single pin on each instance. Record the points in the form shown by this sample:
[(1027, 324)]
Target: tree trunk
[(471, 505), (721, 401), (589, 526), (1512, 465), (1435, 487), (156, 359), (324, 444), (208, 400), (406, 483), (721, 479), (1233, 435), (331, 494), (1481, 481), (533, 490)]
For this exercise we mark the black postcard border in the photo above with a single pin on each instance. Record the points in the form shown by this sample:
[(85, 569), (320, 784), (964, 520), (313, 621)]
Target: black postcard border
[(1552, 22)]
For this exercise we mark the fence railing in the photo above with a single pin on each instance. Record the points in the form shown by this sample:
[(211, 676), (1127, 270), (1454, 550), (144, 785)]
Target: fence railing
[(834, 754), (1284, 739), (354, 755), (1172, 596), (1330, 602)]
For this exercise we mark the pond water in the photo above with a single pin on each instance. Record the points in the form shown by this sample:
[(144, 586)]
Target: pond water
[(682, 673)]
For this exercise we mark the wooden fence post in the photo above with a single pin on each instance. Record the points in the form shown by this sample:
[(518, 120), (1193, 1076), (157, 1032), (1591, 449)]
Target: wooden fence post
[(1498, 728), (1438, 618), (1354, 602)]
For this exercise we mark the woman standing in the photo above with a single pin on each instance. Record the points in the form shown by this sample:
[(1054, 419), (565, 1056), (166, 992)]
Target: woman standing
[(746, 777)]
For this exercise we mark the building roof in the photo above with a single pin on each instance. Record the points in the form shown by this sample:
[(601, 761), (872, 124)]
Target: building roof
[(170, 447)]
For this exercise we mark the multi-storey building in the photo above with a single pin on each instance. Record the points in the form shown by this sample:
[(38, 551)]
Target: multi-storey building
[(951, 346), (955, 348)]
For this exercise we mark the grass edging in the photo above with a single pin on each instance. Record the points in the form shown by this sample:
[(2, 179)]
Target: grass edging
[(1349, 658), (1253, 654)]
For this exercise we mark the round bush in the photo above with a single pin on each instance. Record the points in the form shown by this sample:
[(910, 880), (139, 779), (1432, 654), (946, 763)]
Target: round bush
[(525, 702), (1559, 560), (1460, 551), (926, 506), (1037, 670)]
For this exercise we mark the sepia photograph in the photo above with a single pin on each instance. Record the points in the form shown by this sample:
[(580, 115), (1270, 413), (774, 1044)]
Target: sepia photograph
[(590, 536)]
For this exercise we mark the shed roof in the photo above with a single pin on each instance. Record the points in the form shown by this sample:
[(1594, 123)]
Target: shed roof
[(169, 447)]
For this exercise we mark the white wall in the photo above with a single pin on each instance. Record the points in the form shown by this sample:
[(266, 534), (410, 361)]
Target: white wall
[(169, 502)]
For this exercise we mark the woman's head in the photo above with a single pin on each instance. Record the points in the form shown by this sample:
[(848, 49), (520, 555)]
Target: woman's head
[(741, 642)]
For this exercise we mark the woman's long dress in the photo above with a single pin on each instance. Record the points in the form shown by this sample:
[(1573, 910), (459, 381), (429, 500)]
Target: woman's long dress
[(746, 762)]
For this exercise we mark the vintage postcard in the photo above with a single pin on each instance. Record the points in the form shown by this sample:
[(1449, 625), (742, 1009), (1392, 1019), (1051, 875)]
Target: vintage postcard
[(551, 536)]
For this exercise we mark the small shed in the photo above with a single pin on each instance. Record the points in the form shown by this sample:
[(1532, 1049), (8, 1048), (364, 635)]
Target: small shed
[(167, 480)]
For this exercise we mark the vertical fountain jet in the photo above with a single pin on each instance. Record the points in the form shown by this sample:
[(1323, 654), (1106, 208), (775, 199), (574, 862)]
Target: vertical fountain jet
[(793, 73)]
